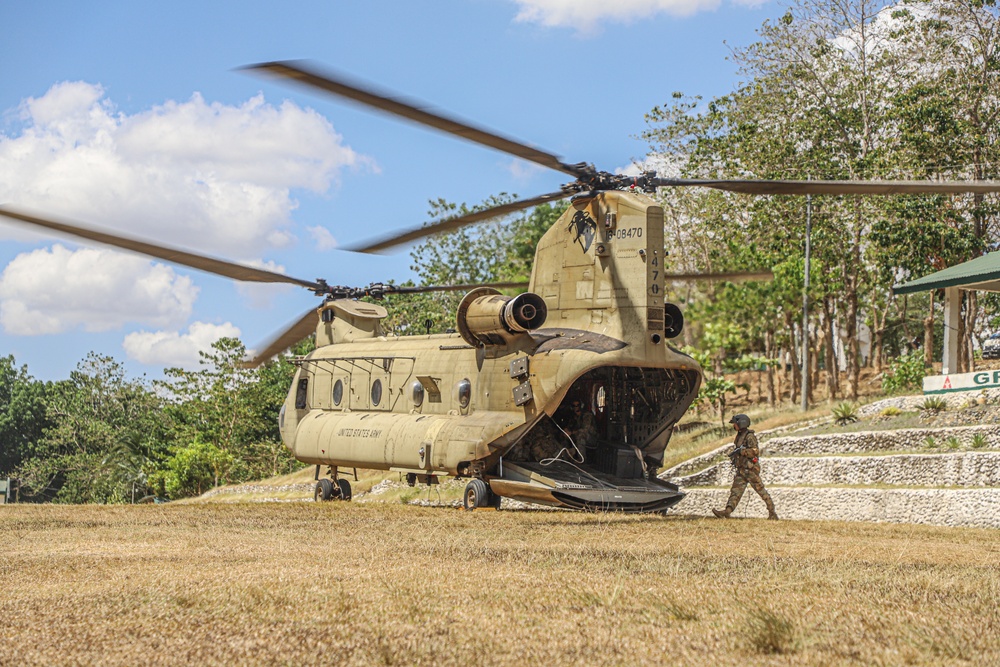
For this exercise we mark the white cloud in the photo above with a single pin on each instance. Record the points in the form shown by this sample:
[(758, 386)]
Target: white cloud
[(587, 15), (174, 349), (663, 165), (214, 177), (49, 291), (523, 171), (322, 238), (261, 295)]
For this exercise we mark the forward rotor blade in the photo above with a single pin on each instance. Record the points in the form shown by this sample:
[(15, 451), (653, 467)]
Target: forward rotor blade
[(451, 224), (369, 96), (295, 332), (732, 276), (756, 187), (202, 263), (454, 288)]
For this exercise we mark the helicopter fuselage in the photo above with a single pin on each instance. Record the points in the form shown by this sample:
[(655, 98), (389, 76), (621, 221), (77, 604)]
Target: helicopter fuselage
[(460, 404)]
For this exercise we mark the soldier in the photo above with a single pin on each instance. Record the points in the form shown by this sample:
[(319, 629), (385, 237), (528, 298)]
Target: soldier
[(582, 428), (744, 458)]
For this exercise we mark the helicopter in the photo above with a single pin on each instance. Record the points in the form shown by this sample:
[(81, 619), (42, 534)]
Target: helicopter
[(491, 402)]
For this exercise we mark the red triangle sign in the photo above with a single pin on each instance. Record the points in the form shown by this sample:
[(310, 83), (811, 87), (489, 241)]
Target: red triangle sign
[(947, 382)]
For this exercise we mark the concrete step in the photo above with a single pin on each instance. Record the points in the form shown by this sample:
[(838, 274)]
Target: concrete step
[(941, 507), (960, 469)]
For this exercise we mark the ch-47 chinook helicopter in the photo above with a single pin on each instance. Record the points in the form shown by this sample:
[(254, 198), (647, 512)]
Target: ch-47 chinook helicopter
[(488, 403)]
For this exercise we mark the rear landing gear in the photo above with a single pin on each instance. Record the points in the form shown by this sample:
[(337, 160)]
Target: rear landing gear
[(478, 494)]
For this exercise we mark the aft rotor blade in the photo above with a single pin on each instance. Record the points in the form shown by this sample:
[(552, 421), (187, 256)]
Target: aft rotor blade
[(757, 187), (369, 96), (732, 276), (451, 224), (201, 262), (292, 334)]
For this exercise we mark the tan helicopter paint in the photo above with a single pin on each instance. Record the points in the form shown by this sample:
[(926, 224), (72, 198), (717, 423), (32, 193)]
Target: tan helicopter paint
[(599, 270)]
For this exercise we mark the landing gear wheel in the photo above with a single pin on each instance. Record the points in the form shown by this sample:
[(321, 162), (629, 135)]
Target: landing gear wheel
[(477, 494), (344, 489), (324, 490)]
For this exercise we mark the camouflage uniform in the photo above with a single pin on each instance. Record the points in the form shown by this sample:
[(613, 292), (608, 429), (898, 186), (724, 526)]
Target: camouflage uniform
[(747, 472), (584, 430)]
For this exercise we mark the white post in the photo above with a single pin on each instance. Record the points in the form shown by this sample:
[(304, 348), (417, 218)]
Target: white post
[(952, 312)]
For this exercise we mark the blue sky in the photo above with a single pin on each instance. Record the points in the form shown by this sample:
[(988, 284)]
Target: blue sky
[(132, 116)]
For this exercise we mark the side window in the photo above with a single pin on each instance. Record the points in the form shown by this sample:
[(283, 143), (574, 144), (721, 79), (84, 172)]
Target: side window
[(338, 392), (301, 394)]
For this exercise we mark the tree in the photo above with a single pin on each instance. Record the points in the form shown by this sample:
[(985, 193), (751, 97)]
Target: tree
[(23, 417), (98, 421), (231, 408)]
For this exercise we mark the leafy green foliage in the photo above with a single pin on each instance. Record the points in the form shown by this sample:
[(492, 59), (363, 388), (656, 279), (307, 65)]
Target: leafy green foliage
[(104, 432), (23, 415), (192, 470), (845, 413), (921, 103), (934, 404), (231, 408), (904, 373)]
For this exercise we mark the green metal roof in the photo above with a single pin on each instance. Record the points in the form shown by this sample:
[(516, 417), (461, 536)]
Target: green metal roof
[(981, 273)]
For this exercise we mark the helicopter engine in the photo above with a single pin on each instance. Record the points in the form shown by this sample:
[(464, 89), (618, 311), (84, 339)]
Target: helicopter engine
[(487, 317)]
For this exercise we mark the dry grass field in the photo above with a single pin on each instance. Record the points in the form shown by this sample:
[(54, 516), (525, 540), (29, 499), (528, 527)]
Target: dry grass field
[(384, 584)]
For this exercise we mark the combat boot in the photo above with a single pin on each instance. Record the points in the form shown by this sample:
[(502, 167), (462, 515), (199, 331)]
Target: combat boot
[(722, 514)]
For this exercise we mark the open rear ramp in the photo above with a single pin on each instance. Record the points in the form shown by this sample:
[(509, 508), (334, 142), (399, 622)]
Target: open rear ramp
[(563, 484)]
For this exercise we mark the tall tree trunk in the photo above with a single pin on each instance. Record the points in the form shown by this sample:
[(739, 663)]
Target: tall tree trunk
[(793, 393), (853, 348), (832, 372), (768, 355)]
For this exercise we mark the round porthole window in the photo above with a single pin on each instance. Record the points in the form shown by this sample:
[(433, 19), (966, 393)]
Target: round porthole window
[(418, 393), (464, 393), (338, 392), (376, 392)]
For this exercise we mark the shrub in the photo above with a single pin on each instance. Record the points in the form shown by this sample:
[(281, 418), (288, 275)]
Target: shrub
[(935, 404), (952, 443), (891, 411), (906, 372), (845, 413), (929, 442), (193, 469), (978, 441)]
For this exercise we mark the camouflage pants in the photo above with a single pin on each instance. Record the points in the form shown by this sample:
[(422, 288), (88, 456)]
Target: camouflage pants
[(740, 481)]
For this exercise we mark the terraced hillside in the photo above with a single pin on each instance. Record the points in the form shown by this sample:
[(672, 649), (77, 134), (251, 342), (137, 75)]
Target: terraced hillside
[(931, 472)]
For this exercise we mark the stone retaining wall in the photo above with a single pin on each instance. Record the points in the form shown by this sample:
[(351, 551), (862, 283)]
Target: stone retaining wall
[(879, 441), (908, 403), (940, 507), (969, 469)]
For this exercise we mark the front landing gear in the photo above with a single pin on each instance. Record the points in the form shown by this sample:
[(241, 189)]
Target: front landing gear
[(478, 494), (337, 488)]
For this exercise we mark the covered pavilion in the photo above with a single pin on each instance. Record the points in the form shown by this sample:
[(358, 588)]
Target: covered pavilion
[(981, 274)]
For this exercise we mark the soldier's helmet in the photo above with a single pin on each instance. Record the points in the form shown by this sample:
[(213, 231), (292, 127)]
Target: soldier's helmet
[(741, 421)]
